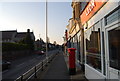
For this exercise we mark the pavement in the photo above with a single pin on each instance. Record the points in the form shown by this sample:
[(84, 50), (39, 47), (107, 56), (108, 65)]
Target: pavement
[(59, 69), (80, 75)]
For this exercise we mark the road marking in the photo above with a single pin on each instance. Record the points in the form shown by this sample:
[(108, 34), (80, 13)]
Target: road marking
[(20, 65), (32, 59), (38, 57), (5, 71)]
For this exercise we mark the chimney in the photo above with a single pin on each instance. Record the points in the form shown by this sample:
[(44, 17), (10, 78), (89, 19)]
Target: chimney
[(28, 30)]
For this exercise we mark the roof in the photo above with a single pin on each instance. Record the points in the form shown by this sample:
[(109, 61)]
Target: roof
[(11, 34), (8, 34), (21, 34)]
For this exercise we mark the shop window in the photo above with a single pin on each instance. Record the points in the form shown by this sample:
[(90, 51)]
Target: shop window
[(103, 46), (76, 45), (93, 44), (75, 39), (114, 48), (71, 41), (79, 55), (113, 16)]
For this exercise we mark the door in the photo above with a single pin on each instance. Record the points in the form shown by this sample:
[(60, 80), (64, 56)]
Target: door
[(113, 51)]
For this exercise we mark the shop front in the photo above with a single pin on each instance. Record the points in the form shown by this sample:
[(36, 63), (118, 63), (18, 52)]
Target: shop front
[(101, 22), (76, 41), (112, 32)]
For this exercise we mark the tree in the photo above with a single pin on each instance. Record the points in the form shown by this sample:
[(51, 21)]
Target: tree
[(55, 43), (28, 41)]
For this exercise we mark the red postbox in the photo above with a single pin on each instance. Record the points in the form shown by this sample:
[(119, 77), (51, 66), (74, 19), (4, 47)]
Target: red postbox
[(72, 66)]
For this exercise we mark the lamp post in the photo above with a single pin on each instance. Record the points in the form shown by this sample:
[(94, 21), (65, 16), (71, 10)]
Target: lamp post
[(46, 35)]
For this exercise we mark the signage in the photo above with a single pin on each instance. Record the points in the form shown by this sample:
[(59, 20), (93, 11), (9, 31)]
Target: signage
[(92, 7)]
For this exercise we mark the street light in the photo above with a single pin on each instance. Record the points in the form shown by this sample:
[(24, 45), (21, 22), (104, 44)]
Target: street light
[(46, 35)]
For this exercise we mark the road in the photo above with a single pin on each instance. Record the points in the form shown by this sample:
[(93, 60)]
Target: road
[(21, 66)]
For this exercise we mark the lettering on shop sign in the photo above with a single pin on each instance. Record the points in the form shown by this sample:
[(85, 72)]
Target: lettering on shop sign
[(90, 7)]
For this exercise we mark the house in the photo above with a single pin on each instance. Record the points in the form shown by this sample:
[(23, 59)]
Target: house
[(21, 35), (14, 36), (8, 36)]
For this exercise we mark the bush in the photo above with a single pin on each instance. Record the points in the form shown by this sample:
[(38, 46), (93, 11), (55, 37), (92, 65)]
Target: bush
[(14, 47)]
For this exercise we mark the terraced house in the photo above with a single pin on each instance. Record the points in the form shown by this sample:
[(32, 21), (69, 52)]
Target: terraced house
[(94, 30)]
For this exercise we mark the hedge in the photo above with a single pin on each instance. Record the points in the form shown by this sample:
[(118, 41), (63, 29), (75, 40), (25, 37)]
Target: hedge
[(14, 47)]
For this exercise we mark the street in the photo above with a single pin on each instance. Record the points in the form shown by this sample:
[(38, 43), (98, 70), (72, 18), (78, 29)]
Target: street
[(21, 66)]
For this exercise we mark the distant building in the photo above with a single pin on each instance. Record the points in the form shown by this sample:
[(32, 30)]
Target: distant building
[(14, 36), (39, 44)]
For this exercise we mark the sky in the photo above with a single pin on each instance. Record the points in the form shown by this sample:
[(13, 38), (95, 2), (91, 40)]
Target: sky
[(21, 16)]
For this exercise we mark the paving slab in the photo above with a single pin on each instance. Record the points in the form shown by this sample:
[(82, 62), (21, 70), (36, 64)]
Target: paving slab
[(80, 75), (58, 69)]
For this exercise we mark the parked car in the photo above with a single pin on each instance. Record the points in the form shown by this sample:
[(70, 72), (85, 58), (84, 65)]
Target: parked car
[(5, 64), (40, 52)]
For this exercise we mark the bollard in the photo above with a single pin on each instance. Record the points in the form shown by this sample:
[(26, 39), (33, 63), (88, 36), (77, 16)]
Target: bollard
[(46, 63), (35, 72), (42, 66), (72, 66), (22, 78), (49, 60)]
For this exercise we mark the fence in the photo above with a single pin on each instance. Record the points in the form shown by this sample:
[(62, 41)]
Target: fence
[(34, 72)]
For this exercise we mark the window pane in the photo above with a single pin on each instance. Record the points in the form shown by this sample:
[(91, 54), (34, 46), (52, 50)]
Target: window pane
[(103, 46), (113, 17), (78, 46), (114, 47), (71, 41), (79, 56), (93, 49), (93, 41)]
